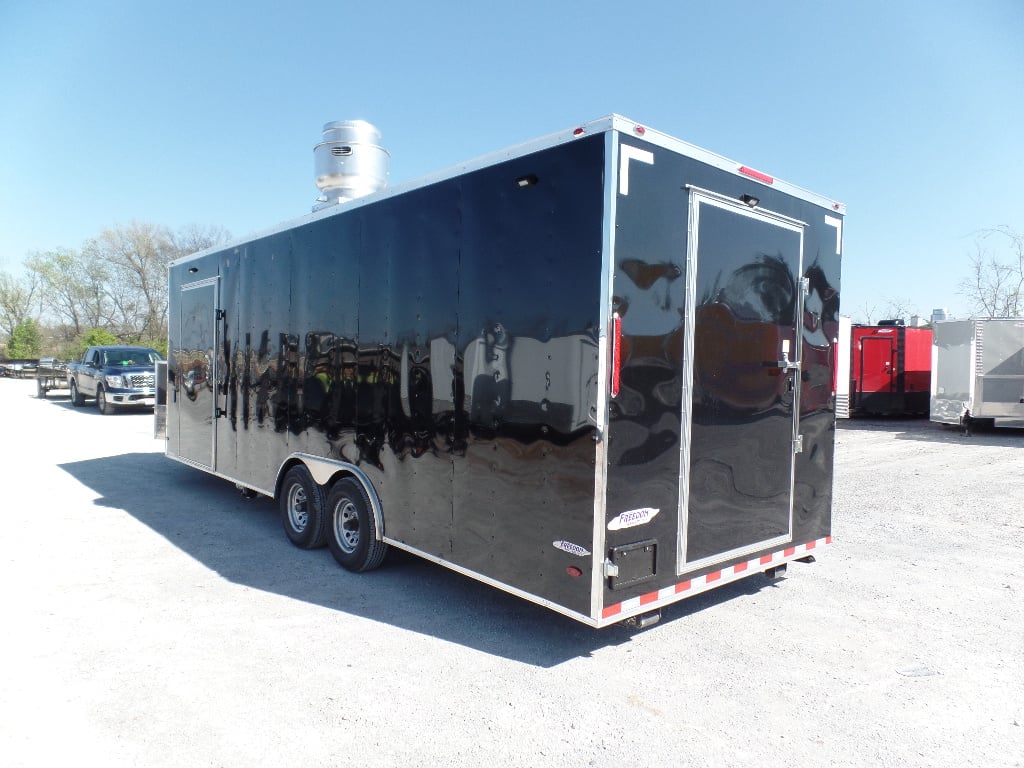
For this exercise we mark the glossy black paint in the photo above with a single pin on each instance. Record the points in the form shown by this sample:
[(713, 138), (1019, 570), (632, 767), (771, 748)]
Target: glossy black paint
[(444, 341), (741, 416)]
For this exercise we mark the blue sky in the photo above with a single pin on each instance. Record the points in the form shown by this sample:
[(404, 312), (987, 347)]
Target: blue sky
[(909, 112)]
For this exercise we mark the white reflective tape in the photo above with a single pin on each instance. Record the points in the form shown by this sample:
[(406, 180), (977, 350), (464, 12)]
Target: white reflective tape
[(832, 221), (627, 153)]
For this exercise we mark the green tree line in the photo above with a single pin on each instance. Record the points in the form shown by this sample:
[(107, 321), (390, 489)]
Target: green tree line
[(113, 287)]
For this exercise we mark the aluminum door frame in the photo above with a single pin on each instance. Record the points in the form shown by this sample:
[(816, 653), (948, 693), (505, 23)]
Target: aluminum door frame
[(698, 197), (214, 283)]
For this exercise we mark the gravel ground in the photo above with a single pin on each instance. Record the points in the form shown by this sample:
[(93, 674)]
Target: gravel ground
[(153, 617)]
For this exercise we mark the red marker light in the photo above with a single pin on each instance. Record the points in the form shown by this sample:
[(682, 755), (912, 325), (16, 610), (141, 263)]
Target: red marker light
[(756, 175), (616, 354), (640, 130), (573, 571), (578, 132), (835, 366)]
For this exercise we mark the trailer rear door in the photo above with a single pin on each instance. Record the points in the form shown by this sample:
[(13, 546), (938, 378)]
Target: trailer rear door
[(744, 298), (877, 364)]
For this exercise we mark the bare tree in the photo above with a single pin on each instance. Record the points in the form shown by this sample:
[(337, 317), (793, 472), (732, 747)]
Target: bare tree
[(995, 286), (195, 237), (893, 309), (72, 287), (137, 256)]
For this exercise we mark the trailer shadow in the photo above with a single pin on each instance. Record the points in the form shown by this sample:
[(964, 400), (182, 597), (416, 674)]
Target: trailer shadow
[(924, 430), (241, 540)]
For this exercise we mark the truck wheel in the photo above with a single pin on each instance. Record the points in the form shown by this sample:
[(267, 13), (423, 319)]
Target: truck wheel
[(302, 509), (352, 531), (40, 389), (76, 397), (105, 406)]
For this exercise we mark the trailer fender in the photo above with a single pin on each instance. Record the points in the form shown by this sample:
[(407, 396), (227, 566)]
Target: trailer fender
[(324, 470)]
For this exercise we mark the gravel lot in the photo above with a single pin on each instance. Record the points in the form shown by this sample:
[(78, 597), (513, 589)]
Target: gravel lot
[(154, 617)]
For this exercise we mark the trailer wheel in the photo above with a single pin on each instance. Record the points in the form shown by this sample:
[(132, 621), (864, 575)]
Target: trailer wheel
[(302, 509), (105, 406), (40, 389), (76, 397), (352, 530)]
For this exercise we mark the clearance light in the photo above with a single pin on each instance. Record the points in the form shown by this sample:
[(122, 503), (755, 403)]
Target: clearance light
[(579, 132), (616, 354), (639, 130), (835, 365), (573, 571), (756, 175)]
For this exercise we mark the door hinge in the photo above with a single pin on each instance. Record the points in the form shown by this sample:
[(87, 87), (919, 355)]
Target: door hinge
[(805, 285), (798, 444), (611, 570), (220, 314)]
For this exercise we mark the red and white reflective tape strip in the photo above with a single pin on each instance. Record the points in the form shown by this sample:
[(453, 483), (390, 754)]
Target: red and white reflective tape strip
[(715, 578)]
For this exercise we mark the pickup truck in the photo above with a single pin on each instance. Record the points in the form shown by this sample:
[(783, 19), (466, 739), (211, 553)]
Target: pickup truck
[(115, 376)]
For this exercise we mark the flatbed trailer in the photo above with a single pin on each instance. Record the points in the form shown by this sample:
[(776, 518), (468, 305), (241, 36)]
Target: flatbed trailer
[(595, 371), (50, 374)]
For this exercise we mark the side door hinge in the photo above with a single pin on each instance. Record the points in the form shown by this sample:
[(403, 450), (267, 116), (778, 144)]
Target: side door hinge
[(798, 444)]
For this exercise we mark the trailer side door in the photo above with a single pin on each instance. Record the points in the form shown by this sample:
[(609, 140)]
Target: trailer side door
[(193, 375)]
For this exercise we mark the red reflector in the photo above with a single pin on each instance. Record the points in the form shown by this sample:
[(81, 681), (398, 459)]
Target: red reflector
[(573, 571), (640, 130), (756, 175), (578, 132), (616, 354), (835, 366)]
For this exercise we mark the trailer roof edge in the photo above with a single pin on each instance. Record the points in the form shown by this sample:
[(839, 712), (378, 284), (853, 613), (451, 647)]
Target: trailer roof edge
[(612, 122)]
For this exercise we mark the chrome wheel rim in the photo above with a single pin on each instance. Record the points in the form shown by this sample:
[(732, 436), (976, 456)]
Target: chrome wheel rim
[(346, 526), (298, 507)]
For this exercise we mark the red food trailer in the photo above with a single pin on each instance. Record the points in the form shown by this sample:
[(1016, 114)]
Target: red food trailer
[(891, 369)]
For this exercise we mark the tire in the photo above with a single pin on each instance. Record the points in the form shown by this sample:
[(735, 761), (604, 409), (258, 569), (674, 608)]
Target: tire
[(76, 397), (351, 528), (105, 406), (40, 389), (301, 504)]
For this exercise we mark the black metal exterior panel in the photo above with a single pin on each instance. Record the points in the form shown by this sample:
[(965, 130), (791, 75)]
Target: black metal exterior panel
[(408, 308), (530, 310), (649, 292), (444, 341)]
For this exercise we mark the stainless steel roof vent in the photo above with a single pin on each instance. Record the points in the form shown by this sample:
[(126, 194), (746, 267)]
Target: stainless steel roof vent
[(349, 162)]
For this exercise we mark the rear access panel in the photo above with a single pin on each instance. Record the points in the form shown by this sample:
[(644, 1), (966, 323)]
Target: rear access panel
[(744, 298)]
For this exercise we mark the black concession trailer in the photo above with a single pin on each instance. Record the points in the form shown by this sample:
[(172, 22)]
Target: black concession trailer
[(595, 371)]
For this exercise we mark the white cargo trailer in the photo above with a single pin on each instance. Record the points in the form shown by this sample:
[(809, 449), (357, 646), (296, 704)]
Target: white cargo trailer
[(978, 372)]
